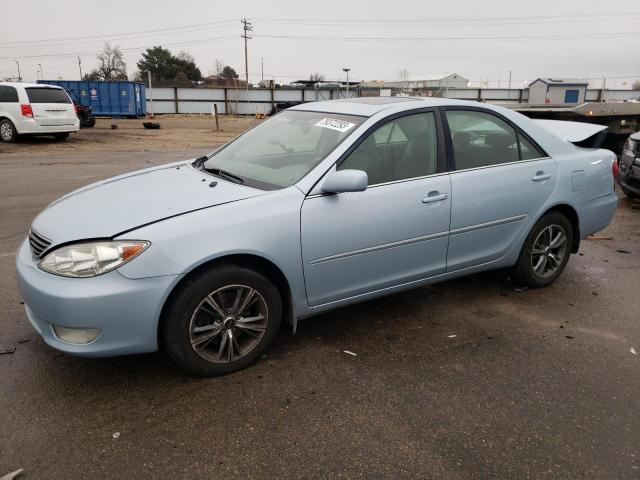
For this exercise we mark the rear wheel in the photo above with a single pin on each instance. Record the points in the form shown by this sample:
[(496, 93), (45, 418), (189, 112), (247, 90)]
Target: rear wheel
[(8, 132), (222, 321), (61, 136), (545, 252)]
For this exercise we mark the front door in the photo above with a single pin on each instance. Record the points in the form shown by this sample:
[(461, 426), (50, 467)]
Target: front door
[(396, 231), (501, 179)]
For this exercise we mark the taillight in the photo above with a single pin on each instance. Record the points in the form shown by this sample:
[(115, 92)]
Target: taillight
[(26, 110), (615, 168), (75, 108)]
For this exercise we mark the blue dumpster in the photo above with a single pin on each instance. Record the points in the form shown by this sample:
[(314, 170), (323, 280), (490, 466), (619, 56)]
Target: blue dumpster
[(106, 99)]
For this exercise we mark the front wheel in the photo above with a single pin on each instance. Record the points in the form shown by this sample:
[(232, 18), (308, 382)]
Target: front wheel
[(545, 252), (221, 321), (630, 194)]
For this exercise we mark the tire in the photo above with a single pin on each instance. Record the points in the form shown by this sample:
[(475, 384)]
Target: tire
[(8, 132), (197, 336), (630, 194), (532, 270), (61, 136)]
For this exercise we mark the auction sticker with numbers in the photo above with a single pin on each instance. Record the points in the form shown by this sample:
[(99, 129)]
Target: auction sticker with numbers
[(335, 124)]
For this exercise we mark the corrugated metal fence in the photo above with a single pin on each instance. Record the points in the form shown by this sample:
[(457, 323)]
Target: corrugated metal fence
[(260, 100)]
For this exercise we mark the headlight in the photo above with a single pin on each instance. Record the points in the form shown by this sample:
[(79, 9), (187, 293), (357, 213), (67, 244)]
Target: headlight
[(91, 258)]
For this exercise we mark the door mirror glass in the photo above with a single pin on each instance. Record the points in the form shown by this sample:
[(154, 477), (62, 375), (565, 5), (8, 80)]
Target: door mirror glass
[(342, 181)]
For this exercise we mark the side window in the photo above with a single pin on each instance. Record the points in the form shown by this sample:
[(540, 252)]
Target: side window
[(402, 148), (8, 94), (481, 139), (527, 150)]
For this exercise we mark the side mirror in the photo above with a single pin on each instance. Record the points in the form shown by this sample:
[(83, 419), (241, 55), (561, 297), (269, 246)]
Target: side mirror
[(342, 181)]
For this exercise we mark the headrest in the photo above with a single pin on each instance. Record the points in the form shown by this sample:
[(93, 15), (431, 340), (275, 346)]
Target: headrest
[(499, 140)]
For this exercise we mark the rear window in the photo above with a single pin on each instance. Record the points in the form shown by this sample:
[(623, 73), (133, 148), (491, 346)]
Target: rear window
[(47, 95)]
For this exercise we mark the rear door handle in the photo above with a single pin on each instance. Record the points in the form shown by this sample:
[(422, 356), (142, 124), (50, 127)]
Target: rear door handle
[(435, 196), (540, 176)]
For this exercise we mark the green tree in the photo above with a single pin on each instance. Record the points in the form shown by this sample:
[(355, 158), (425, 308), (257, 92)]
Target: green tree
[(164, 66), (229, 73)]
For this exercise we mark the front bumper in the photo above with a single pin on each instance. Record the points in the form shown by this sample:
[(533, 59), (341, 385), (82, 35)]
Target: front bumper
[(127, 311)]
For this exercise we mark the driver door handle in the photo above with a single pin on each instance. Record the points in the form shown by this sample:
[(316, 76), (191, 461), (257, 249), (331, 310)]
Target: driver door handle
[(435, 196)]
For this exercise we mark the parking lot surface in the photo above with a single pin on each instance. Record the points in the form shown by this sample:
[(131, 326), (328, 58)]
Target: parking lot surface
[(473, 378)]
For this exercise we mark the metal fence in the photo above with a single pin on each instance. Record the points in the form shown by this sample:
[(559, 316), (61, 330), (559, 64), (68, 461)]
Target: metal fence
[(261, 100)]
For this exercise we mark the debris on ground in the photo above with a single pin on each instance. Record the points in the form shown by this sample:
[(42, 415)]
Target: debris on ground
[(619, 250), (520, 289), (569, 337), (349, 352), (12, 475), (6, 351), (23, 340), (115, 434), (451, 336), (633, 351), (114, 126), (599, 237)]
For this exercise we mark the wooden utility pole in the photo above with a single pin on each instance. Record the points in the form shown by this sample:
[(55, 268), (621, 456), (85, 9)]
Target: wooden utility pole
[(246, 28), (80, 66)]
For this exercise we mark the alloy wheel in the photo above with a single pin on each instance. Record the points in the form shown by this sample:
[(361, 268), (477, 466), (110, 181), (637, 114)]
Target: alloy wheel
[(549, 250), (6, 132), (228, 323)]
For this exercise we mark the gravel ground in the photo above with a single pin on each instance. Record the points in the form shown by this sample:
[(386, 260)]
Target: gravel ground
[(534, 384)]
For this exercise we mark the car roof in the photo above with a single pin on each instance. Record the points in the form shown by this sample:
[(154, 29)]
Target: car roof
[(28, 85), (369, 106)]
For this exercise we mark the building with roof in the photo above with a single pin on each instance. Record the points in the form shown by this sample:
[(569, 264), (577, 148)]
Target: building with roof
[(433, 82), (557, 91)]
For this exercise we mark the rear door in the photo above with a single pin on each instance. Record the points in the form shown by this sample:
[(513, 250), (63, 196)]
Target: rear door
[(51, 106), (499, 182)]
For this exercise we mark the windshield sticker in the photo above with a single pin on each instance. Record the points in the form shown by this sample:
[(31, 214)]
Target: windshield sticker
[(335, 124)]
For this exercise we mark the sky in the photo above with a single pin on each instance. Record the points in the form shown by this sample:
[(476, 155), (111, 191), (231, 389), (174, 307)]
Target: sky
[(482, 41)]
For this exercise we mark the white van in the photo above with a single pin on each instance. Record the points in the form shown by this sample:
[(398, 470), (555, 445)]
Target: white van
[(34, 109)]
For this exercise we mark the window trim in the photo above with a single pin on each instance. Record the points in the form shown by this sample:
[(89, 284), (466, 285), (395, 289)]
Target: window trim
[(451, 164)]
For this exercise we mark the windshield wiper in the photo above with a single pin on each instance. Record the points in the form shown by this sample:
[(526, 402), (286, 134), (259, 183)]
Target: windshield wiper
[(224, 174)]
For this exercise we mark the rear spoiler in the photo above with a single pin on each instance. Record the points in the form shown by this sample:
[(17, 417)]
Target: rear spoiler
[(587, 135)]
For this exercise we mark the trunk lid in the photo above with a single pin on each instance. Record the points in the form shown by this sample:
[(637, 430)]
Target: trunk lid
[(588, 135)]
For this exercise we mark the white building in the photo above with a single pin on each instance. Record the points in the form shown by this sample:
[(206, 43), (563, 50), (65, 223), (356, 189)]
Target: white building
[(429, 82), (557, 91)]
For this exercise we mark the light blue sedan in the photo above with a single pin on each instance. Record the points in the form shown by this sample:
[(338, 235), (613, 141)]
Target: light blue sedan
[(323, 205)]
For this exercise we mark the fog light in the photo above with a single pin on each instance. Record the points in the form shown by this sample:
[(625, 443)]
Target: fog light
[(76, 335)]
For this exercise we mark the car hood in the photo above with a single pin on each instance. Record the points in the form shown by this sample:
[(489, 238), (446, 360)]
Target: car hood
[(116, 205)]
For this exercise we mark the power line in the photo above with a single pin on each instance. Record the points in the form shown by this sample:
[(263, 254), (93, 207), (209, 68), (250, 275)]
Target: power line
[(467, 38), (85, 38), (175, 44), (456, 20)]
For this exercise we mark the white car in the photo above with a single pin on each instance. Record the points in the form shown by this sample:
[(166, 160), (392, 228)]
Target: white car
[(34, 109)]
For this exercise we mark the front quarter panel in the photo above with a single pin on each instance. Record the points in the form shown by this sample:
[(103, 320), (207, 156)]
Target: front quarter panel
[(267, 226)]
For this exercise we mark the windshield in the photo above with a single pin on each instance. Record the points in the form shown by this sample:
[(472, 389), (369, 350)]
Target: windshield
[(47, 95), (280, 151)]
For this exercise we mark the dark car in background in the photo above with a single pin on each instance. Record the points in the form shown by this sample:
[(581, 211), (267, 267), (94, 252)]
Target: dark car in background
[(629, 175)]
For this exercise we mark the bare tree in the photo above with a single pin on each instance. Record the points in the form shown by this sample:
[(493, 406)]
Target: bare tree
[(111, 65), (219, 66), (404, 74), (316, 77), (635, 85)]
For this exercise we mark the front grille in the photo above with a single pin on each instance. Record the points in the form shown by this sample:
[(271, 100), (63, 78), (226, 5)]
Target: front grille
[(38, 243)]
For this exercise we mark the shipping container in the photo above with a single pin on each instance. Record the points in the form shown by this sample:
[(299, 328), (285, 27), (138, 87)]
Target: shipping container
[(106, 99)]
